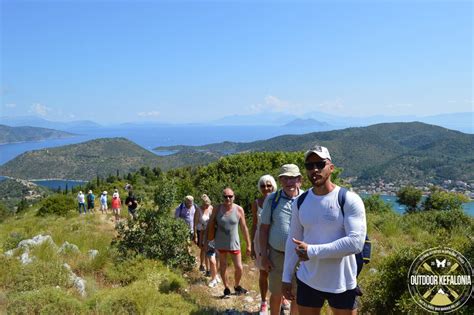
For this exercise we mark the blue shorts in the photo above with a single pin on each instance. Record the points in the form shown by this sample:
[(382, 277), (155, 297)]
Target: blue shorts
[(309, 297)]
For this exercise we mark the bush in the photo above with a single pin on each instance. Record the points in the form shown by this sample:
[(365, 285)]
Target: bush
[(155, 235), (139, 298), (57, 204), (375, 204), (46, 300)]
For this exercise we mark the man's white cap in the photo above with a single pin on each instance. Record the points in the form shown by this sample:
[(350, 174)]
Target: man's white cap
[(320, 151)]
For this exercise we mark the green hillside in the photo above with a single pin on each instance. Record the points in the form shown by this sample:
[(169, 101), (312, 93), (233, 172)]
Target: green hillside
[(20, 134), (81, 161), (392, 151)]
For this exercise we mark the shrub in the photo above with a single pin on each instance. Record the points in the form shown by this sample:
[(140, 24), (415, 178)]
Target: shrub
[(139, 298), (46, 300), (375, 204), (57, 204), (155, 235), (443, 200), (13, 239)]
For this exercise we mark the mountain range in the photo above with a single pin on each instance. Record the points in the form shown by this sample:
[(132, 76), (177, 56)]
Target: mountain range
[(21, 134), (399, 152), (402, 152)]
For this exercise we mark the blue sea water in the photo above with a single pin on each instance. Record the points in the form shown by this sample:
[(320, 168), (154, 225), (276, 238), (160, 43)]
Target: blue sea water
[(150, 137)]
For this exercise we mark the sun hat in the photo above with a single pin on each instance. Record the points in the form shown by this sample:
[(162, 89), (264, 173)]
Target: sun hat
[(90, 192), (289, 170), (104, 192), (320, 151)]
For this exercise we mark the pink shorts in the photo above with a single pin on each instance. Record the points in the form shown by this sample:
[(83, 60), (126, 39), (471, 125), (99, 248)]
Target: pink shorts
[(233, 252)]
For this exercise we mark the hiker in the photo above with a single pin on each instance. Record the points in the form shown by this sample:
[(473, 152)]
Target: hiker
[(201, 218), (132, 205), (116, 205), (223, 227), (266, 185), (274, 228), (116, 193), (103, 202), (211, 254), (327, 244), (81, 202), (90, 201), (185, 211)]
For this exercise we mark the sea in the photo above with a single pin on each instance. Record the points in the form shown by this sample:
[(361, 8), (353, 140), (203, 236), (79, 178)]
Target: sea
[(150, 137)]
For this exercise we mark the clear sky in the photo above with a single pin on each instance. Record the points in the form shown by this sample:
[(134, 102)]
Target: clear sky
[(194, 61)]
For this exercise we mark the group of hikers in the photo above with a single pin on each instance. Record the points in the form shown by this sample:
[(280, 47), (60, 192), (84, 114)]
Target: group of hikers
[(303, 243), (116, 203)]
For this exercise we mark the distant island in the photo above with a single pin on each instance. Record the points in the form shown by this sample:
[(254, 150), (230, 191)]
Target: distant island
[(22, 134), (298, 123)]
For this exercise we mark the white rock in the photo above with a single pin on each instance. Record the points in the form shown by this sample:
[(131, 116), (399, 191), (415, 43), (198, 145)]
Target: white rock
[(35, 241), (68, 247), (25, 258), (373, 270), (9, 253), (93, 253), (77, 282), (248, 299)]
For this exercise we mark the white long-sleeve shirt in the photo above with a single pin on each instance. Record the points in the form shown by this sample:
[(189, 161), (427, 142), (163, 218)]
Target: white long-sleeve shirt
[(332, 240)]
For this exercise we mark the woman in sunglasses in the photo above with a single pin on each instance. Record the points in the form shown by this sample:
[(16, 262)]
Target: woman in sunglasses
[(224, 228), (266, 185)]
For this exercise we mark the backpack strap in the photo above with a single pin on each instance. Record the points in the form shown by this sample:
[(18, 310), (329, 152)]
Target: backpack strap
[(341, 198), (275, 202), (300, 199)]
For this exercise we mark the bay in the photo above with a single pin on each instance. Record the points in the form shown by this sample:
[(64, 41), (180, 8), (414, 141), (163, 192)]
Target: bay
[(150, 137)]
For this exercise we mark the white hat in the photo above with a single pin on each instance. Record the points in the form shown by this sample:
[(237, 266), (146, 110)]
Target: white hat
[(289, 170), (104, 192), (90, 192), (320, 151)]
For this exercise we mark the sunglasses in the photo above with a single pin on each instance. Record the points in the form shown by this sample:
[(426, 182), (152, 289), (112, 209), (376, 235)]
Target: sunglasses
[(312, 165), (266, 186), (228, 196)]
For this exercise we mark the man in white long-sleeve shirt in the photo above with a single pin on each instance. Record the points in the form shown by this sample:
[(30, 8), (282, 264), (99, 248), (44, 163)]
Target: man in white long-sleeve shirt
[(325, 241)]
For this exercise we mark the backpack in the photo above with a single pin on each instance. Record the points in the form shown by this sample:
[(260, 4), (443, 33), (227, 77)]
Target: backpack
[(364, 256)]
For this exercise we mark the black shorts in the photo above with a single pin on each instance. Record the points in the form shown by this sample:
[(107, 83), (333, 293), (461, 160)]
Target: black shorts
[(309, 297)]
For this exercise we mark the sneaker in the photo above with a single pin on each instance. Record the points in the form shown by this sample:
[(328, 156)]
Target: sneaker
[(263, 309), (218, 279), (201, 268), (208, 273), (226, 293), (239, 290), (213, 283)]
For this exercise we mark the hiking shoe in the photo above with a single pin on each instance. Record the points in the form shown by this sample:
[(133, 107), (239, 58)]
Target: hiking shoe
[(263, 309), (239, 290), (213, 283), (208, 273), (201, 268), (226, 293)]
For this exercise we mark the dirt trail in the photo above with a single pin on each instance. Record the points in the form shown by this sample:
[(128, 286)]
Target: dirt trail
[(211, 298)]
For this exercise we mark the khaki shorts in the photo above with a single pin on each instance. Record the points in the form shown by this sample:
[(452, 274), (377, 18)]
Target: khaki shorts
[(274, 277)]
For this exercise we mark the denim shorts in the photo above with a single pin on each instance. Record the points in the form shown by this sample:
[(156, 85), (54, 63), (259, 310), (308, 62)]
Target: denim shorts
[(309, 297)]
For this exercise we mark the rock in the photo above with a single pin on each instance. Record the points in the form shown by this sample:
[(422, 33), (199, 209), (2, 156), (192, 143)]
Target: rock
[(249, 300), (77, 282), (9, 253), (35, 241), (373, 270), (68, 248), (25, 257), (93, 253)]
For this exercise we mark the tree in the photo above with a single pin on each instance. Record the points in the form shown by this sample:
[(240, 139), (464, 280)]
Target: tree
[(444, 201), (165, 194), (410, 197), (375, 204)]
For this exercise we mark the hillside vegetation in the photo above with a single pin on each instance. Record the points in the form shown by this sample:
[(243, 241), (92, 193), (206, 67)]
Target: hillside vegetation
[(130, 274), (87, 160), (413, 152), (21, 134)]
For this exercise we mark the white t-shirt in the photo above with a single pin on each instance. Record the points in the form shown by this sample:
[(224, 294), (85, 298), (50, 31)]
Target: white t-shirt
[(332, 240)]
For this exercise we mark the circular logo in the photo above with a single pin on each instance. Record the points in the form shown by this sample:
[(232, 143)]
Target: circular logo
[(440, 280)]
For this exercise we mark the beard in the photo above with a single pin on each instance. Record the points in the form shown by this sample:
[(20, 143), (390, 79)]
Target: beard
[(318, 180)]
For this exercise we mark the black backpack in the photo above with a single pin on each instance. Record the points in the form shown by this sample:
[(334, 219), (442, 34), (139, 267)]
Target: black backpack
[(364, 256)]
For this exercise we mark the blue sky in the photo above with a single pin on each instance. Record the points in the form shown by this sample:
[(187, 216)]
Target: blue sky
[(196, 61)]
